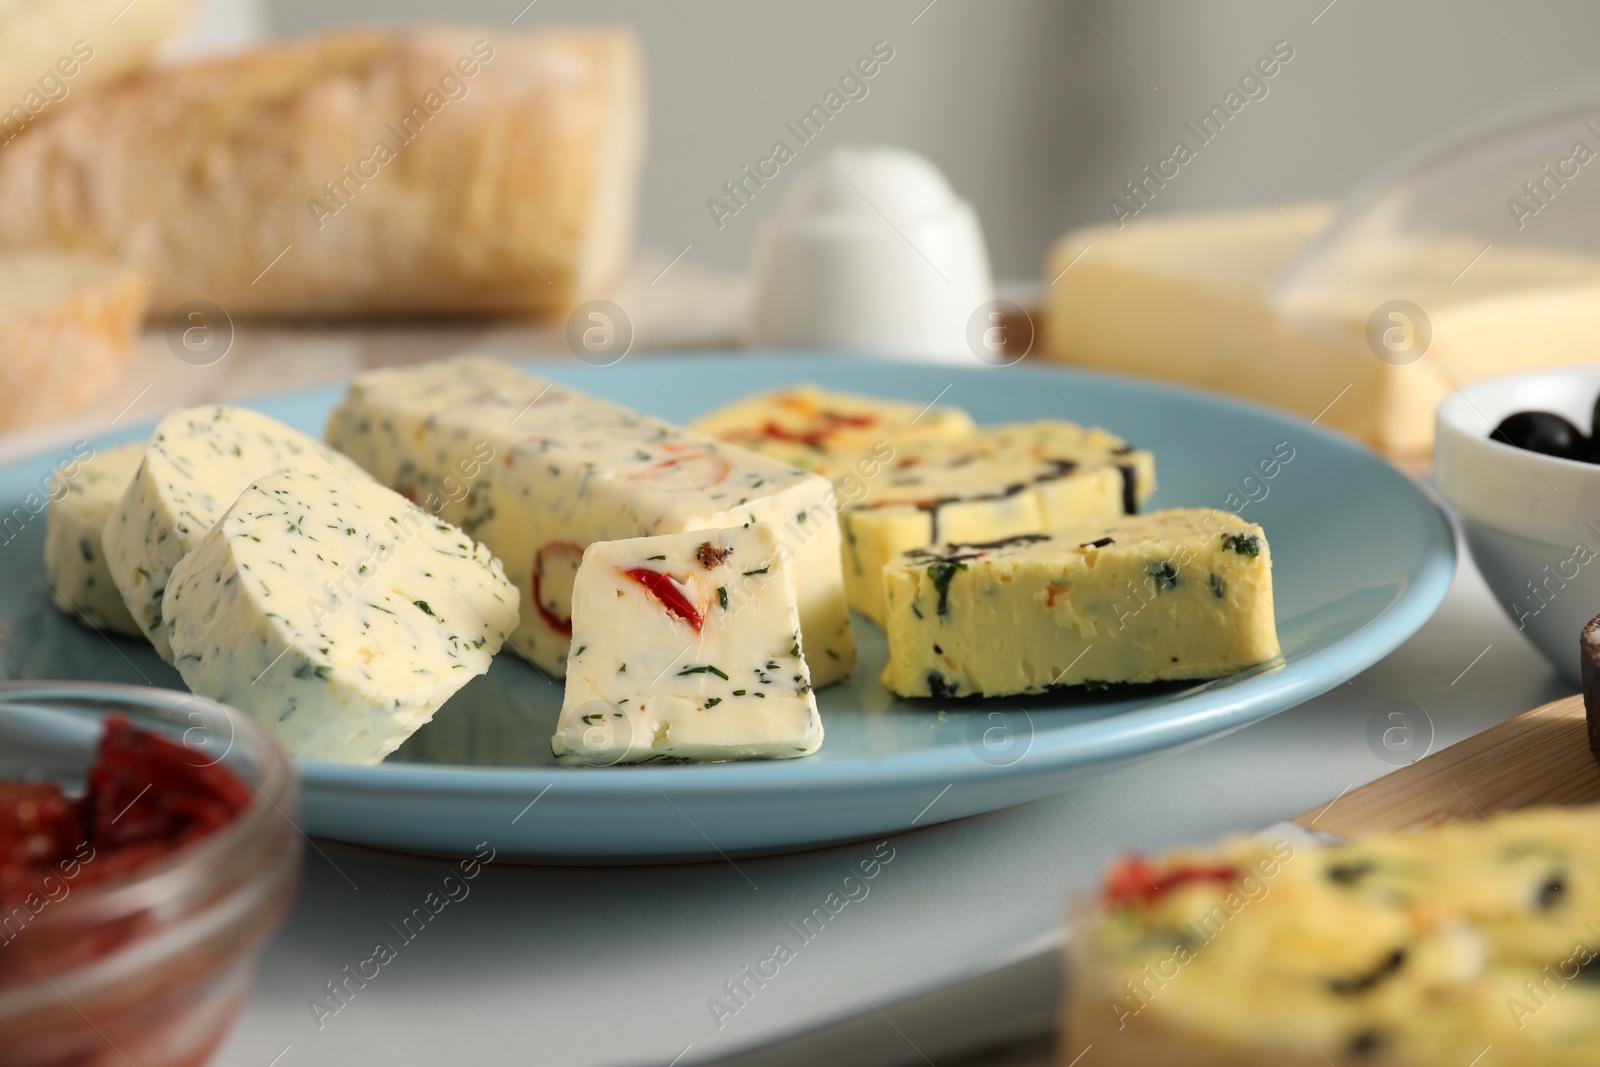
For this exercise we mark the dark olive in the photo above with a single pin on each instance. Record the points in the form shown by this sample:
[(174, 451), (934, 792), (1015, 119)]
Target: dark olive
[(1543, 431)]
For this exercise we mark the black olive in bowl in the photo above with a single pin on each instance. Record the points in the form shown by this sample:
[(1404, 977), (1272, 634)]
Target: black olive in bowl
[(1545, 432)]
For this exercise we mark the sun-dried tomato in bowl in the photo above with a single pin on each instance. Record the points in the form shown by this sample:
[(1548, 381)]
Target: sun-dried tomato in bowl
[(38, 826), (132, 910), (147, 797)]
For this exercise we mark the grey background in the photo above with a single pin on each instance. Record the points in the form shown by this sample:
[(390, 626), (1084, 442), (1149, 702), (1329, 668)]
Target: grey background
[(1038, 110)]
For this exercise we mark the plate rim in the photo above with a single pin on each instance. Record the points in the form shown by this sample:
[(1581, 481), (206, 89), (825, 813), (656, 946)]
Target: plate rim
[(1124, 736)]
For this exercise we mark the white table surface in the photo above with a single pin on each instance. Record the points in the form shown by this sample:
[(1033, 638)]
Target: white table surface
[(602, 966), (617, 965)]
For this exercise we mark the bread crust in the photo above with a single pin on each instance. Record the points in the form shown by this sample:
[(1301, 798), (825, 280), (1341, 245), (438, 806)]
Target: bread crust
[(509, 190), (72, 347), (52, 52)]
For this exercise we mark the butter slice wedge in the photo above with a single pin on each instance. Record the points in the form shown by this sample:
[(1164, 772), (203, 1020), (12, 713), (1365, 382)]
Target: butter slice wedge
[(687, 646), (81, 586), (1180, 594), (335, 612), (1013, 478)]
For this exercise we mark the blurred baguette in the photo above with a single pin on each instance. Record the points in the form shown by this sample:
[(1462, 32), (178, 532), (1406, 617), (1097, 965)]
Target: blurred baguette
[(51, 52), (69, 325), (433, 171)]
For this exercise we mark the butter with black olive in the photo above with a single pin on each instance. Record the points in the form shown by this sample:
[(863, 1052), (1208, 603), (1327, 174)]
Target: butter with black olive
[(1468, 943), (1178, 594), (1017, 478)]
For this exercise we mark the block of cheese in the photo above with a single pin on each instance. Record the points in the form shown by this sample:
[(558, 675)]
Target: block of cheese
[(1218, 300), (537, 472), (835, 434), (1467, 943), (1188, 298), (196, 464), (687, 647), (997, 482), (1177, 594), (80, 584), (336, 612)]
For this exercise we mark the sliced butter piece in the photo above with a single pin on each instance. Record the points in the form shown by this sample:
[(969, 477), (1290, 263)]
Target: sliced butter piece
[(687, 647), (1180, 594), (74, 561), (835, 434), (336, 612), (537, 472), (196, 464), (997, 482)]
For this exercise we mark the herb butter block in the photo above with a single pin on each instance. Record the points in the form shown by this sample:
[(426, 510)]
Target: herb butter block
[(687, 647), (538, 472), (336, 612), (80, 583), (196, 464), (1171, 595), (1001, 481), (1467, 943), (831, 433)]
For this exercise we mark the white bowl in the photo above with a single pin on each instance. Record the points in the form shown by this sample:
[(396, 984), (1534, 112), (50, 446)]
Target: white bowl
[(1532, 522), (872, 251)]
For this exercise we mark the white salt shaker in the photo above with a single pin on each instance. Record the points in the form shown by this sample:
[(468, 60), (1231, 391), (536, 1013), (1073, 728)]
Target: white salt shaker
[(872, 251)]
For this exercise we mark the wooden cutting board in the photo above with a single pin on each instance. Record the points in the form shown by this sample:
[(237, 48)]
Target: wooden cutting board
[(1539, 758)]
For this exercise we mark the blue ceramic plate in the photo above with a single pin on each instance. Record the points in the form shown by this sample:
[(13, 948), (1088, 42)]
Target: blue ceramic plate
[(1362, 556)]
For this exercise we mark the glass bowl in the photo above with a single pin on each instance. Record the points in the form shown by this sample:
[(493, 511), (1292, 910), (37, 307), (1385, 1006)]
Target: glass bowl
[(147, 967)]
